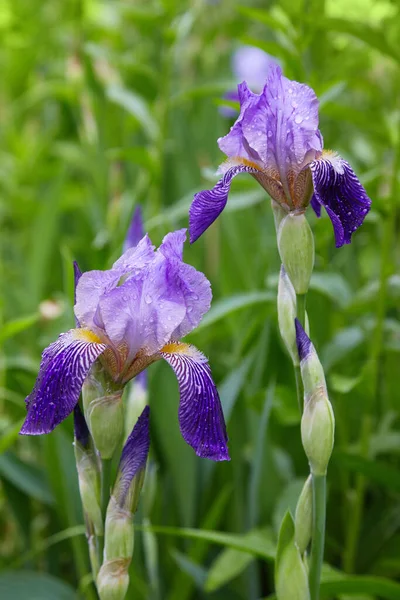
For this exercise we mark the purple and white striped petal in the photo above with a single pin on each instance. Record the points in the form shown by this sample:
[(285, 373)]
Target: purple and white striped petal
[(201, 418), (208, 204), (337, 188), (135, 231), (133, 457), (64, 367)]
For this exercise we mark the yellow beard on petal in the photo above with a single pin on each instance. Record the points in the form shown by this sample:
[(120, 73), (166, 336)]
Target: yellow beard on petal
[(176, 348), (237, 160), (87, 336)]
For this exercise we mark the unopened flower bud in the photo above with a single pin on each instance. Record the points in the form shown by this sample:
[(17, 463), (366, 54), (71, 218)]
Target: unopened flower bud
[(119, 534), (88, 472), (318, 421), (287, 310), (113, 579), (318, 432), (104, 412), (303, 517), (291, 582), (296, 249), (312, 372)]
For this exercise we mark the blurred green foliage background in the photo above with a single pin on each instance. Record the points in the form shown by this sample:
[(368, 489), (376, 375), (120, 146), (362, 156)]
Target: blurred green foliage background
[(107, 104)]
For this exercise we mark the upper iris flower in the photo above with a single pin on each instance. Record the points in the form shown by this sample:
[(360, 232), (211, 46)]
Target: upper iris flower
[(127, 318), (276, 139)]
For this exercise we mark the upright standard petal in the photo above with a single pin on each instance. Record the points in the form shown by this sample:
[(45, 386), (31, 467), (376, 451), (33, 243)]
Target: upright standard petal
[(135, 231), (208, 204), (64, 367), (77, 276), (200, 412), (133, 457), (337, 188)]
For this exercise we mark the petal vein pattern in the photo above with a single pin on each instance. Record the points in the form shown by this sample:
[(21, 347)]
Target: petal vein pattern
[(201, 418), (63, 369)]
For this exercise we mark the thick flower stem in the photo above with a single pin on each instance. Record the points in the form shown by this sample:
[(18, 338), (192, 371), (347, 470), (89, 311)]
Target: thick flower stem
[(105, 497), (318, 533)]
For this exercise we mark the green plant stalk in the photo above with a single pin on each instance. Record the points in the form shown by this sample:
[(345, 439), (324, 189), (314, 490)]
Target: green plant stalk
[(318, 534)]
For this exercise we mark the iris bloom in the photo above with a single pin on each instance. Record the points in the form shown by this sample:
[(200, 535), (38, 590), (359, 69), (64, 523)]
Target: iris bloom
[(129, 317), (276, 139)]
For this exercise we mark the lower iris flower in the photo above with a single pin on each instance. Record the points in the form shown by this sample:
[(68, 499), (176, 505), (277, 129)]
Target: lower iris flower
[(127, 318), (276, 139)]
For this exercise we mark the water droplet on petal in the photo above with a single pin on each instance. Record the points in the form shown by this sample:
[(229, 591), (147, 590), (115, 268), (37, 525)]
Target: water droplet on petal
[(148, 299), (298, 119)]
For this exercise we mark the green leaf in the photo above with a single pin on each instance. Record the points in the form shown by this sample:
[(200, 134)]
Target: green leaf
[(26, 477), (259, 543), (136, 106), (332, 285), (228, 565), (26, 585), (286, 537), (17, 326), (376, 586), (222, 308), (9, 436), (376, 471)]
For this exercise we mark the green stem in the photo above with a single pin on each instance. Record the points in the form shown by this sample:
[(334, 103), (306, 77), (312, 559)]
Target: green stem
[(318, 533)]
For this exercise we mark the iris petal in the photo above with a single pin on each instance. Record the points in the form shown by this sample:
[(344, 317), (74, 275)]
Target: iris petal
[(134, 456), (201, 418), (337, 188), (208, 204), (64, 367)]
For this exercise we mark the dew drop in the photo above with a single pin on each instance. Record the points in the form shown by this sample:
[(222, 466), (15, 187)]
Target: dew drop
[(298, 119), (148, 299), (269, 133)]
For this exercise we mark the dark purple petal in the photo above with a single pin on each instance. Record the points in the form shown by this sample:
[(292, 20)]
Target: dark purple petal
[(303, 341), (228, 111), (337, 188), (135, 231), (64, 367), (315, 205), (133, 457), (201, 418), (208, 204), (81, 431), (77, 276)]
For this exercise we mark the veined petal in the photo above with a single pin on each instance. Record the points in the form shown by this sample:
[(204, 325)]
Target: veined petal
[(77, 276), (201, 418), (64, 367), (208, 204), (133, 457), (135, 231), (337, 188)]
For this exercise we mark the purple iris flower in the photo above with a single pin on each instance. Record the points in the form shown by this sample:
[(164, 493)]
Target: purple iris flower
[(276, 139), (129, 317), (135, 231)]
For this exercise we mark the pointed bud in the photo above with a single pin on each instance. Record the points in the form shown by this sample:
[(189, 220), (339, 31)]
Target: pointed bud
[(303, 517), (135, 231), (291, 582), (88, 472), (287, 310), (125, 496), (104, 412), (318, 421), (296, 249), (136, 400), (113, 580)]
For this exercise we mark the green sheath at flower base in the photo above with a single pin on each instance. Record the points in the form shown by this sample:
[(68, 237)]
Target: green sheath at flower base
[(113, 579), (296, 249), (104, 412), (291, 582), (118, 532), (303, 517), (287, 311)]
